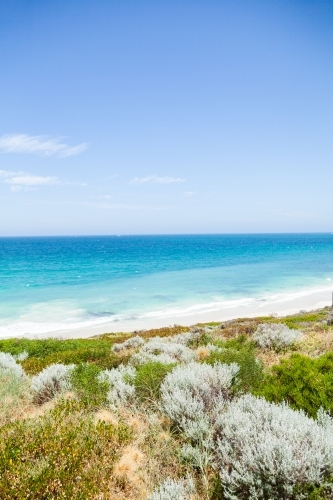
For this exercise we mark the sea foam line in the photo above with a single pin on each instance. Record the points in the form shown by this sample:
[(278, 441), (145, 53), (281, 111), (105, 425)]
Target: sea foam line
[(19, 328)]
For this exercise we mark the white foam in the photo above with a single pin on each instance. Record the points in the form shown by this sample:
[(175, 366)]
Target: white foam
[(75, 325)]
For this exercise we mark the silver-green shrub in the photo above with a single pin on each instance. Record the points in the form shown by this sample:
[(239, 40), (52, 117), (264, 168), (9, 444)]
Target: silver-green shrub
[(118, 379), (185, 338), (8, 364), (192, 393), (22, 356), (163, 350), (275, 336), (53, 380), (171, 489), (131, 343), (264, 450)]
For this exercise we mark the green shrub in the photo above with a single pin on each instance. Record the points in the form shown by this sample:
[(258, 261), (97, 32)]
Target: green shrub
[(148, 380), (91, 391), (203, 339), (15, 396), (102, 357), (61, 455), (45, 347), (242, 352), (303, 382)]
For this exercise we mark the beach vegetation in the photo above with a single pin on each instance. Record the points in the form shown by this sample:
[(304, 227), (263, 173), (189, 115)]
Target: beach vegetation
[(131, 343), (202, 412), (87, 386), (164, 350), (264, 450), (275, 336), (171, 489), (50, 382), (148, 379), (242, 352), (120, 387), (8, 364), (305, 383), (62, 454)]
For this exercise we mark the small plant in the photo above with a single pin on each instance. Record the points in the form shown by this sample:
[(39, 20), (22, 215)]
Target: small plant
[(121, 388), (8, 364), (191, 393), (22, 356), (171, 489), (85, 382), (163, 350), (242, 353), (148, 380), (275, 336), (53, 380), (187, 338), (264, 450), (15, 396), (63, 454), (305, 383), (130, 343)]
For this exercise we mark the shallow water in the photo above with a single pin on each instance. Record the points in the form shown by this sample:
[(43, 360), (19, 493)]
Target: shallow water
[(56, 283)]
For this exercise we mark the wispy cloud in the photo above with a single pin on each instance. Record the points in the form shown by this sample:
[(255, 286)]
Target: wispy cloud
[(23, 180), (38, 144), (124, 206), (153, 179), (32, 180), (188, 194)]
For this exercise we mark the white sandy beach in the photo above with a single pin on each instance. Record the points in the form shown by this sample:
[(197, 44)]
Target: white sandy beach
[(279, 304)]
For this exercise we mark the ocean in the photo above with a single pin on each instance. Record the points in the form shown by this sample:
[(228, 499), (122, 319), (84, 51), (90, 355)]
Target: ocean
[(53, 284)]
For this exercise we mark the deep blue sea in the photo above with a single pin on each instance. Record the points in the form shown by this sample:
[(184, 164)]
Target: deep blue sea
[(50, 282)]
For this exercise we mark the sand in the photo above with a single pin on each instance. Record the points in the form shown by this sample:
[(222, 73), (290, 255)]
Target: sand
[(219, 311)]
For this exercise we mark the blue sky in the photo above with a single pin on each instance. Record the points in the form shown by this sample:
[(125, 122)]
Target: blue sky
[(123, 117)]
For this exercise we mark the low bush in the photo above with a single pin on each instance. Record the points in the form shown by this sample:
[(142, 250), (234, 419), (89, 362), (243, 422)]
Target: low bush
[(45, 347), (171, 489), (61, 455), (91, 391), (148, 379), (8, 364), (163, 350), (305, 383), (131, 343), (264, 450), (191, 393), (120, 385), (242, 353), (275, 336), (100, 356), (15, 396), (53, 380)]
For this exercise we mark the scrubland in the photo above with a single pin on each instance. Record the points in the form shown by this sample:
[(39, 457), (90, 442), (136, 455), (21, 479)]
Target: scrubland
[(238, 410)]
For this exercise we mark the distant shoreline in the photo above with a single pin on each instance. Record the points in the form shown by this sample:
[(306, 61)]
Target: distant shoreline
[(279, 304)]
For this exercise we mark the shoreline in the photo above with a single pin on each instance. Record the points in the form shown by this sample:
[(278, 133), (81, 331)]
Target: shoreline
[(278, 304)]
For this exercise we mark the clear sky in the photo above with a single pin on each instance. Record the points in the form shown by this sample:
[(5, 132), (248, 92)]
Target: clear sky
[(138, 117)]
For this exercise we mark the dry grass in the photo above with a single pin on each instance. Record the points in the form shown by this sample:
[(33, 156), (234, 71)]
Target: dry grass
[(202, 353), (151, 454), (15, 398)]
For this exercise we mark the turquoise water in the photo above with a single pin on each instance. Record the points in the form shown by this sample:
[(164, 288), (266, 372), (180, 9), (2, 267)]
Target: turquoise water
[(49, 283)]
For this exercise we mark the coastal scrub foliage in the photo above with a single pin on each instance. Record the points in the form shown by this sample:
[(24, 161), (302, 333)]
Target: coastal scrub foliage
[(60, 455), (275, 336), (305, 383), (121, 390), (8, 365), (191, 393), (53, 380), (239, 410), (265, 450), (183, 489)]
